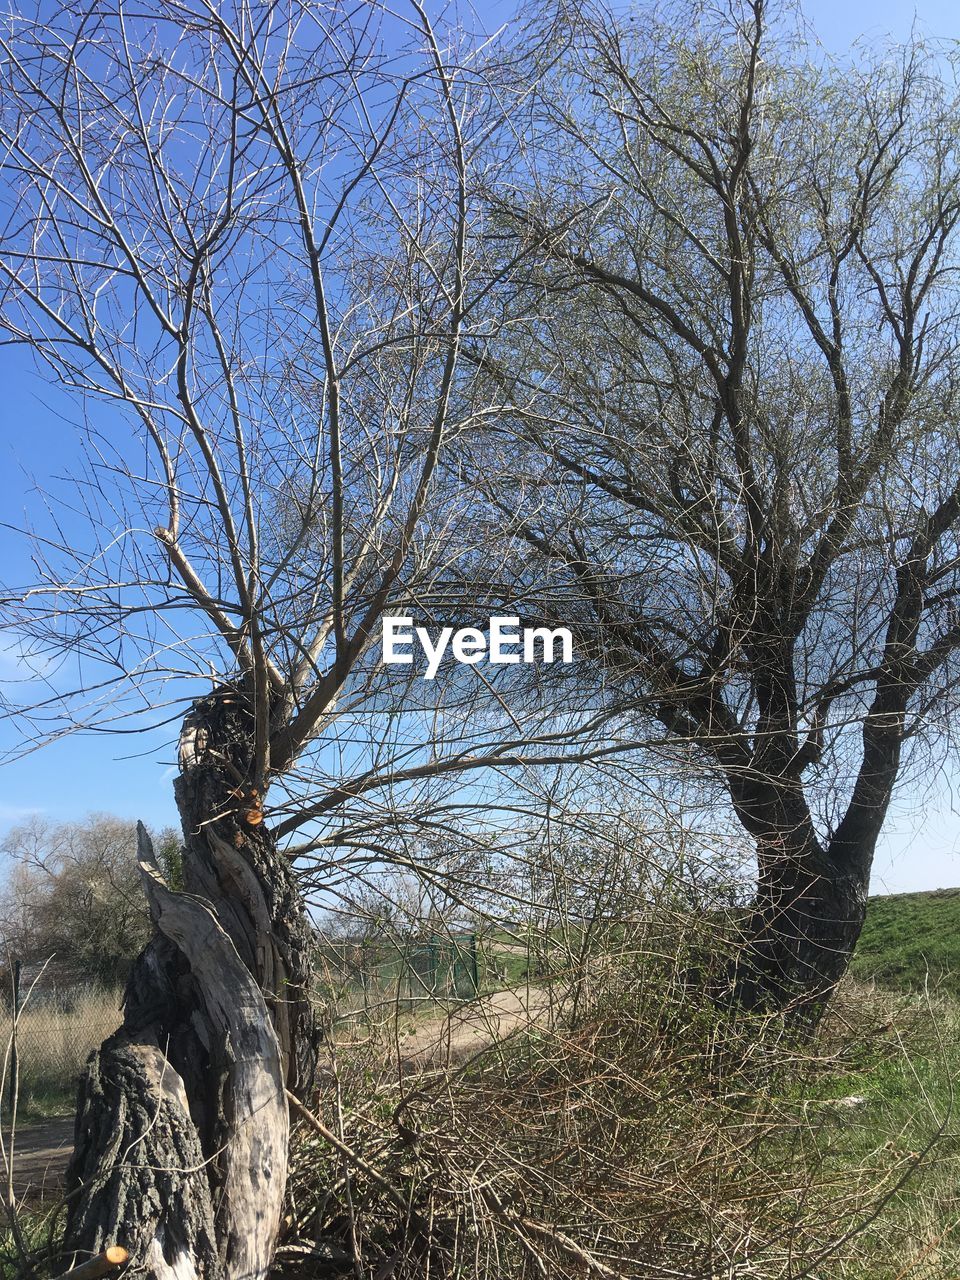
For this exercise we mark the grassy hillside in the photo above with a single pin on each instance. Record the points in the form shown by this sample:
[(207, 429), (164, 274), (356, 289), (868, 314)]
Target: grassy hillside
[(910, 935)]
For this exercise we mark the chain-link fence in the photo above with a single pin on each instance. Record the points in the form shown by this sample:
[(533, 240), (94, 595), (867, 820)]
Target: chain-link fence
[(58, 1027), (56, 1031), (368, 973)]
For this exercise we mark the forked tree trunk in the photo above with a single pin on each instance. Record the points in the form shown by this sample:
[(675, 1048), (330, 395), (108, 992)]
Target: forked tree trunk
[(800, 935), (182, 1124)]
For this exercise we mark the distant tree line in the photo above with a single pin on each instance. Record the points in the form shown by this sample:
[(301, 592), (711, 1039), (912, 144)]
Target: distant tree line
[(72, 904)]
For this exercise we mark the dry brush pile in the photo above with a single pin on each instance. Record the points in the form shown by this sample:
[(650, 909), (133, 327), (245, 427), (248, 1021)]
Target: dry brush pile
[(636, 1130)]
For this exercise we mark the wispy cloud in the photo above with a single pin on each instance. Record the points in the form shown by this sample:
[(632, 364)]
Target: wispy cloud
[(17, 813)]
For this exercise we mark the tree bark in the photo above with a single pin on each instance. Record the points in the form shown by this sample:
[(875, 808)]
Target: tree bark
[(811, 897), (182, 1124), (800, 934)]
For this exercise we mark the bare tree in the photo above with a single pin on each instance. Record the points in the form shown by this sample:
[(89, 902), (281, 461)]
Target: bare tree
[(731, 417), (242, 237)]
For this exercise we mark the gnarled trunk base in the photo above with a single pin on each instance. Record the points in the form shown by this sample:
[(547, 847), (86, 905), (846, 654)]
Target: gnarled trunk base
[(182, 1127), (181, 1142), (138, 1167)]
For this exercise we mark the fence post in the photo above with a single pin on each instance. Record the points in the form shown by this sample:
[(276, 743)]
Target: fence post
[(436, 955), (474, 966), (14, 1056)]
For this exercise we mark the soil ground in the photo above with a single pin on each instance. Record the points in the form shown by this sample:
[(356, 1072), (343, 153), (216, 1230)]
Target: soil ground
[(40, 1158)]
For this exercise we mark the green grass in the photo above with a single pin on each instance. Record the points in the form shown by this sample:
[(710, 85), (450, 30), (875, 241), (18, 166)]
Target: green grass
[(886, 1114), (910, 939)]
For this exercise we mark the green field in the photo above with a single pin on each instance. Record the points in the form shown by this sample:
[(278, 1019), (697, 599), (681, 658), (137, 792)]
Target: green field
[(911, 939)]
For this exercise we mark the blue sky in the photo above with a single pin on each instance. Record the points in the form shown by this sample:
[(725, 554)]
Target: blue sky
[(920, 848), (131, 776), (839, 23)]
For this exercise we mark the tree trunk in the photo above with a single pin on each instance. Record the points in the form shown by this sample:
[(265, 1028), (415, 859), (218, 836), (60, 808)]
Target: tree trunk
[(800, 935), (182, 1125)]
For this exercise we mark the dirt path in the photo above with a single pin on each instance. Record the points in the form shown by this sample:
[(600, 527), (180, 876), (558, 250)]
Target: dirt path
[(40, 1158), (43, 1150), (469, 1027)]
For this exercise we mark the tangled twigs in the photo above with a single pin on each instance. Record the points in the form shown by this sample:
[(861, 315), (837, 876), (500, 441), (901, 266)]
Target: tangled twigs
[(522, 1225), (329, 1136), (652, 1133)]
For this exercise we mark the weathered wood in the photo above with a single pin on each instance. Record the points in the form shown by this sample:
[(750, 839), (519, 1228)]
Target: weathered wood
[(253, 1160), (232, 862), (138, 1166), (182, 1128), (140, 1160)]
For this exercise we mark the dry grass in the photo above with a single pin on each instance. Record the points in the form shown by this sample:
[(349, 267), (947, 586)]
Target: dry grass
[(625, 1127), (56, 1032)]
